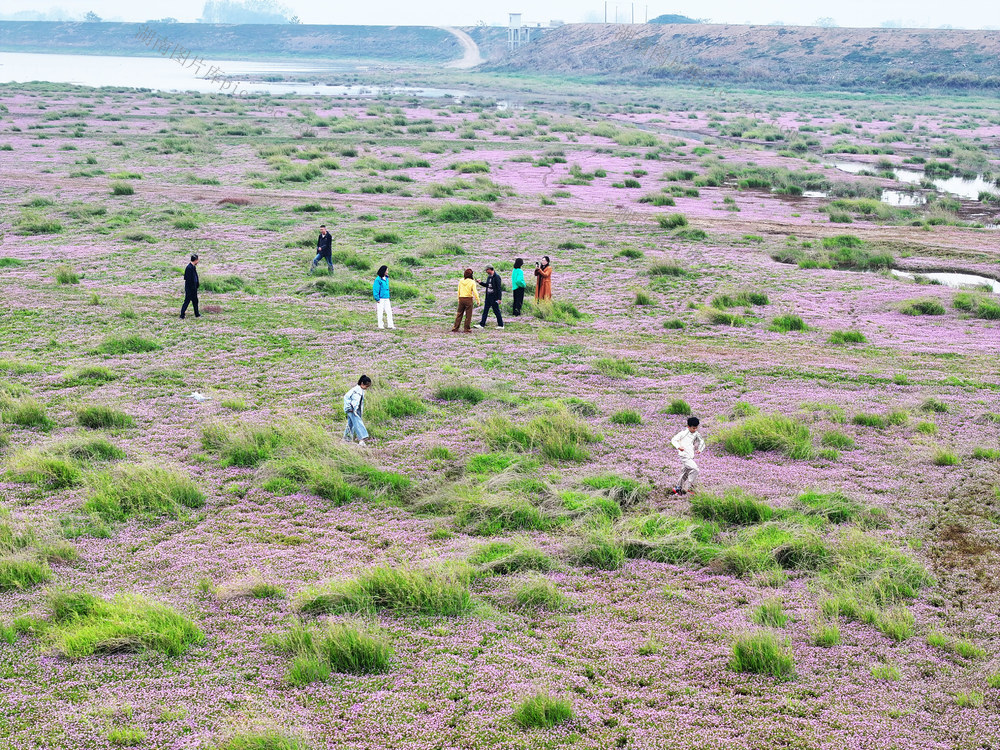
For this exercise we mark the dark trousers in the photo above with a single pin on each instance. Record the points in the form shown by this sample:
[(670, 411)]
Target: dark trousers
[(191, 298), (492, 303), (518, 300), (464, 308)]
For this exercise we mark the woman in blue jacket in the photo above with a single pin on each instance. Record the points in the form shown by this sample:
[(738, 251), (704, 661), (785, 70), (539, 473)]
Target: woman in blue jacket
[(380, 291)]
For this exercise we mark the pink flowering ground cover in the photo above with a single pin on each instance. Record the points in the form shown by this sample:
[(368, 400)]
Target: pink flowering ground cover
[(106, 193)]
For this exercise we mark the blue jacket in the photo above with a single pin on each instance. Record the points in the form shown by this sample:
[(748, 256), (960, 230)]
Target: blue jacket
[(380, 288)]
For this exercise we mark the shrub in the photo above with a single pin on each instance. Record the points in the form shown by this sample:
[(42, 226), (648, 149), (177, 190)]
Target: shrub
[(141, 490), (122, 188), (672, 221), (454, 213), (847, 337), (132, 344), (786, 323), (733, 507), (97, 417), (762, 653), (542, 711), (460, 392), (20, 574), (944, 457), (678, 406), (768, 432), (538, 593), (627, 416), (923, 306), (770, 614)]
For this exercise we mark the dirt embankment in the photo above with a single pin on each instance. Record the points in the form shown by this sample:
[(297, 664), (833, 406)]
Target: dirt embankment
[(783, 55), (254, 41)]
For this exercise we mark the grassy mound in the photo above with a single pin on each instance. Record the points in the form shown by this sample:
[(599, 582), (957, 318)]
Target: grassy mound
[(768, 432), (442, 592)]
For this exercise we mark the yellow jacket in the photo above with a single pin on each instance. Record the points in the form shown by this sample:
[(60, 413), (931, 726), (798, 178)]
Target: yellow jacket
[(467, 288)]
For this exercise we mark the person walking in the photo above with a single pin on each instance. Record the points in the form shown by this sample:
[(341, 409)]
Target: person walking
[(517, 285), (324, 249), (354, 408), (543, 280), (468, 297), (380, 291), (494, 291), (688, 442), (191, 287)]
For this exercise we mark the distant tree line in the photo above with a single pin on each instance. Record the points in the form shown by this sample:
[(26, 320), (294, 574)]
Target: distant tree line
[(246, 11)]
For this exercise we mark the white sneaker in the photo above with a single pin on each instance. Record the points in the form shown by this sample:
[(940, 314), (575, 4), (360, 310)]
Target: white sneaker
[(501, 326), (362, 444), (478, 326)]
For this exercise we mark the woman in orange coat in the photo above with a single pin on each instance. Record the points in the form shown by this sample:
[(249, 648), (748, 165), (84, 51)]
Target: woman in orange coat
[(543, 280)]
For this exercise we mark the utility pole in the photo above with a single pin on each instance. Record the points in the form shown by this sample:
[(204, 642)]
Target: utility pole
[(605, 11), (633, 12)]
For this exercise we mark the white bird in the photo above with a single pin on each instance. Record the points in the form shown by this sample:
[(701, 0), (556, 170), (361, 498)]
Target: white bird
[(199, 396)]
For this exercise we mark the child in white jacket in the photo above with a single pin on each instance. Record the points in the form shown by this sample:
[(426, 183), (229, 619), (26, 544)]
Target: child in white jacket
[(687, 442), (354, 408)]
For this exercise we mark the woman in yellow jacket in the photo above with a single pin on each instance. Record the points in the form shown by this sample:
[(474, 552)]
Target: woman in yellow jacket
[(467, 295)]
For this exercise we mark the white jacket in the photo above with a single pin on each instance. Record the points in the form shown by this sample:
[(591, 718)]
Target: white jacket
[(354, 400), (686, 442)]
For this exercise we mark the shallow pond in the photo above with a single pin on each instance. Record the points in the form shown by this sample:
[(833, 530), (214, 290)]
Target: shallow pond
[(959, 186), (953, 280)]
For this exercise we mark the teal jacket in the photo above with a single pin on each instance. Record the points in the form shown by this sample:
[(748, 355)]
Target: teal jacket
[(517, 279), (380, 288)]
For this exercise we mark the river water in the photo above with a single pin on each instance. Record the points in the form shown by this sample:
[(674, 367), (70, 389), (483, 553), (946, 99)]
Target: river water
[(164, 74)]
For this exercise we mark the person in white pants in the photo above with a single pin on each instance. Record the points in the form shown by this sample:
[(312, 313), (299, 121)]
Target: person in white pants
[(687, 441), (380, 291)]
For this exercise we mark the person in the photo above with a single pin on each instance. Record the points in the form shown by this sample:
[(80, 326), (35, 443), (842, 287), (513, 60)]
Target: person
[(354, 408), (380, 291), (494, 291), (467, 295), (191, 287), (324, 249), (517, 285), (687, 441), (543, 280)]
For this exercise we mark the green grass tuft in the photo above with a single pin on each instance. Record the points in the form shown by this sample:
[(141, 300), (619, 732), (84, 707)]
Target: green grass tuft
[(144, 491), (542, 711), (96, 417), (762, 653), (768, 432), (132, 344), (734, 507)]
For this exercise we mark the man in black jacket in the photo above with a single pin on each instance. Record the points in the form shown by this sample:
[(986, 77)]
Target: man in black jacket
[(494, 291), (191, 287), (324, 249)]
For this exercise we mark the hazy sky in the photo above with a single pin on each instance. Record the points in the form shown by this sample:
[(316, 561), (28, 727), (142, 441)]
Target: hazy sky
[(960, 14)]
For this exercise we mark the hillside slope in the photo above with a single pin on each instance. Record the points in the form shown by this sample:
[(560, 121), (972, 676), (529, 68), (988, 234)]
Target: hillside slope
[(892, 58), (391, 43)]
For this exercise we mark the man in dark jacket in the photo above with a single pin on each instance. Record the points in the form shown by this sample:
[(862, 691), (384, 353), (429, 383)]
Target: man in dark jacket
[(494, 291), (191, 287), (324, 249)]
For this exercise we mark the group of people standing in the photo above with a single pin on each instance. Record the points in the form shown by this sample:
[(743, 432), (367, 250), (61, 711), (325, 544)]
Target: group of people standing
[(468, 295)]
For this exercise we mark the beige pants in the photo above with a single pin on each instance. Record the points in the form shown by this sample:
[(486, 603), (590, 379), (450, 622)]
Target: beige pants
[(384, 309), (689, 474)]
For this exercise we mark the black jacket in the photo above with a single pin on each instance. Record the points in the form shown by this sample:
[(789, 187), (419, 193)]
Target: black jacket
[(324, 245), (190, 279), (494, 289)]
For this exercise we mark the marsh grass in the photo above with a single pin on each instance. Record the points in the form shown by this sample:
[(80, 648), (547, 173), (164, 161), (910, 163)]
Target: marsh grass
[(141, 490), (538, 593), (922, 306), (84, 625), (678, 406), (626, 417), (542, 711), (223, 284), (847, 337), (558, 435), (672, 221), (502, 558), (598, 550), (837, 439), (786, 323), (615, 368), (19, 573), (460, 392), (734, 507), (763, 653), (460, 213), (25, 412), (826, 635), (768, 432), (96, 417), (442, 592), (558, 311), (66, 275), (770, 614), (342, 648), (44, 470), (131, 344)]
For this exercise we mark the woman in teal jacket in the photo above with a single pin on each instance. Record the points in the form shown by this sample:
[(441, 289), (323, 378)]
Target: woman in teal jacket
[(380, 291), (517, 284)]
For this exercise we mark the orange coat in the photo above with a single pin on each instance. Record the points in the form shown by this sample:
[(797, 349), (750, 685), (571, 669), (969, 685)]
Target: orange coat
[(543, 283)]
